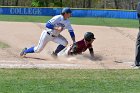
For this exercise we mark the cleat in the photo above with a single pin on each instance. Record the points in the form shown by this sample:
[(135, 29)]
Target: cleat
[(54, 55), (135, 66), (22, 54)]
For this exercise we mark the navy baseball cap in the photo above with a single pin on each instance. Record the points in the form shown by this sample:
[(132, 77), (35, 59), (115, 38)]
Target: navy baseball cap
[(89, 36), (66, 10)]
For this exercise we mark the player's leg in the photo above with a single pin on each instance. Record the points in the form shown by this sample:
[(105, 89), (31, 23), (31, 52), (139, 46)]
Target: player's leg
[(64, 52), (137, 59), (62, 44), (44, 39)]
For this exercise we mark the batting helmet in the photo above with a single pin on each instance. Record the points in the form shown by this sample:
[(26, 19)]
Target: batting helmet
[(66, 10), (89, 36)]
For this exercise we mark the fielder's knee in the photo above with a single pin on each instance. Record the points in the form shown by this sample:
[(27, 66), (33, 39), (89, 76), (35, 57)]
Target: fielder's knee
[(37, 50), (65, 43)]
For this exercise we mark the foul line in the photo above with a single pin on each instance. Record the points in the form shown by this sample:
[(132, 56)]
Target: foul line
[(20, 64)]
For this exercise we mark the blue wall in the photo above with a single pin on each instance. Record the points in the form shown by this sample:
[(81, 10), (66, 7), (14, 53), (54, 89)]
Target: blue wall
[(106, 13), (76, 12)]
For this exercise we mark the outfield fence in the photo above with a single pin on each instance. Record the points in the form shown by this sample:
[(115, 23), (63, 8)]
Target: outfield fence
[(76, 12)]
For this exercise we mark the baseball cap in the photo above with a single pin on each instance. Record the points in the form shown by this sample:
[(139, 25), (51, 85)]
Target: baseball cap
[(66, 10)]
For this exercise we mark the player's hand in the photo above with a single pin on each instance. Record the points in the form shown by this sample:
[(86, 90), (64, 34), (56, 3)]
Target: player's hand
[(74, 47), (92, 56), (59, 28)]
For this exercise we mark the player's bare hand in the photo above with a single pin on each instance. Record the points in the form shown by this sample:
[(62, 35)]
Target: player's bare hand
[(59, 28)]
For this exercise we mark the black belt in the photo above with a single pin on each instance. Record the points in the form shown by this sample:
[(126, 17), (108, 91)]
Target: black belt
[(50, 34)]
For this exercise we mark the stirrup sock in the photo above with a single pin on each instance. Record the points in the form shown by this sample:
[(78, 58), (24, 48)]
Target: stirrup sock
[(30, 50), (59, 48)]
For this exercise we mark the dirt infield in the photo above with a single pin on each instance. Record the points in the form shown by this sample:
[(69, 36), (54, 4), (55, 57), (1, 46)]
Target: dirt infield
[(114, 47)]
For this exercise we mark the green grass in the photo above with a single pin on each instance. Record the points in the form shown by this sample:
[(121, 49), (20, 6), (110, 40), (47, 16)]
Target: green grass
[(129, 23), (75, 20), (4, 45), (20, 18), (69, 81)]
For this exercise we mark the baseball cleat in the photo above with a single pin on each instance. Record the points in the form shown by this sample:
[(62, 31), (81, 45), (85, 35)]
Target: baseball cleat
[(135, 67), (54, 55), (22, 54)]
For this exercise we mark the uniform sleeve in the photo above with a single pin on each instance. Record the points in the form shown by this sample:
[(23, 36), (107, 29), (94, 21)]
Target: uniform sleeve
[(51, 23), (70, 29)]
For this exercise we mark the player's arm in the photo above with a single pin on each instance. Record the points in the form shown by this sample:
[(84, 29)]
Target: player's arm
[(70, 29), (51, 22), (74, 49), (91, 51), (73, 38), (72, 35), (51, 26)]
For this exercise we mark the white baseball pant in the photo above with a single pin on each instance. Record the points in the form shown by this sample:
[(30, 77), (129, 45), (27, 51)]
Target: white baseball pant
[(46, 37)]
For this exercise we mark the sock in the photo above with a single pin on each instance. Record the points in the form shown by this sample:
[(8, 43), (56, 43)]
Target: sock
[(59, 48), (29, 50)]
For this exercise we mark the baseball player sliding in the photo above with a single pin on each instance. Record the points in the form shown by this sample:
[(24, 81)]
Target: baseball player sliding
[(52, 33), (81, 46)]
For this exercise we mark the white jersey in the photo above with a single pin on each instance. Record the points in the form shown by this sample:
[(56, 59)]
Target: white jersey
[(59, 20)]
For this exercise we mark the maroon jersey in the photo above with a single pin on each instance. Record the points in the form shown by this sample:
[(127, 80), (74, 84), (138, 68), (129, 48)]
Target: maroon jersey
[(81, 46)]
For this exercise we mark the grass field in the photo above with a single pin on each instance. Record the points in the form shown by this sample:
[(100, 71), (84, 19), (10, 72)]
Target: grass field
[(3, 45), (75, 20), (69, 81)]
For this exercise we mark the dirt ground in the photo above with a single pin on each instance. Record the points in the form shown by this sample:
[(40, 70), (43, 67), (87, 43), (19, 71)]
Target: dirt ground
[(114, 47)]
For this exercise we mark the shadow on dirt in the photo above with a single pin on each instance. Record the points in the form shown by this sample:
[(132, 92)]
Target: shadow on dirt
[(36, 58), (83, 57), (96, 57)]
